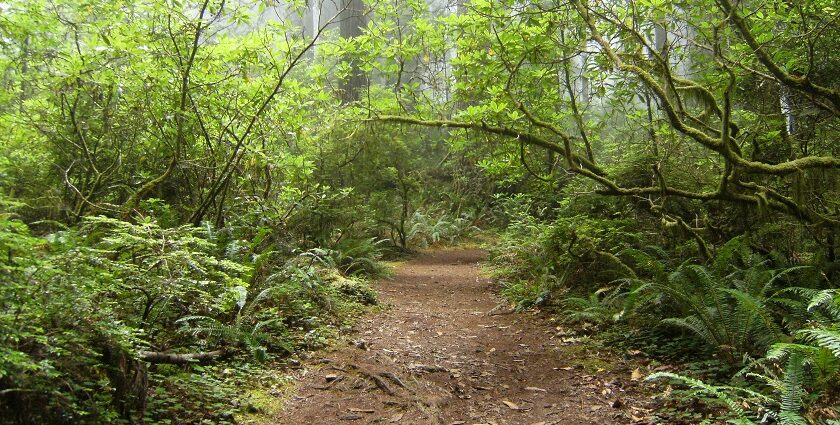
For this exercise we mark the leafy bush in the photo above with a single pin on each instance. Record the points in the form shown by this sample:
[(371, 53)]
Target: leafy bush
[(536, 262), (85, 313)]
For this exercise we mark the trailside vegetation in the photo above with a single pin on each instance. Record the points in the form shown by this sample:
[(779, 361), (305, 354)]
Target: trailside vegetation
[(193, 194), (187, 203)]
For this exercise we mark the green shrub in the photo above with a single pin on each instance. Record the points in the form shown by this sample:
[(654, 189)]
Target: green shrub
[(81, 308), (537, 262)]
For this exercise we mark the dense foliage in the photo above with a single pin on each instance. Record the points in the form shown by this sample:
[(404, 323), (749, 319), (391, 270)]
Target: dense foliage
[(192, 191), (186, 203), (667, 169)]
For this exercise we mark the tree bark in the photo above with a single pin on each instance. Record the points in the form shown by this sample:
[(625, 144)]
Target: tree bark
[(352, 21)]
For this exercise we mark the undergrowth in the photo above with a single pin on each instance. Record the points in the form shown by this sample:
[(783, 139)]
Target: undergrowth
[(754, 333), (136, 294)]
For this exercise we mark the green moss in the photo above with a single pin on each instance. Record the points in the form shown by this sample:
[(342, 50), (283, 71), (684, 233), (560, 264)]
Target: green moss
[(591, 364), (261, 405)]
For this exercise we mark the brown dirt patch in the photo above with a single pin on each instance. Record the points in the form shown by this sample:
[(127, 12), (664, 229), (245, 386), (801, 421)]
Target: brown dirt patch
[(446, 353)]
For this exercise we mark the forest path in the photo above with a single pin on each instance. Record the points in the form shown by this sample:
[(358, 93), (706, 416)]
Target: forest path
[(445, 353)]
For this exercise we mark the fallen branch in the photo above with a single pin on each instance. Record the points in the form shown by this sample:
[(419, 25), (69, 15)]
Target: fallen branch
[(176, 358), (394, 378), (417, 368), (376, 380)]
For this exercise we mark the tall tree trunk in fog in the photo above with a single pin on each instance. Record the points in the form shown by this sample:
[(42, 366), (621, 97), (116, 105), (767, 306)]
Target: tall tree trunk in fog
[(460, 103), (352, 20)]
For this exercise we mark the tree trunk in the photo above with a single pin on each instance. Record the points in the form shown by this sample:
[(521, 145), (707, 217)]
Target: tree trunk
[(351, 23)]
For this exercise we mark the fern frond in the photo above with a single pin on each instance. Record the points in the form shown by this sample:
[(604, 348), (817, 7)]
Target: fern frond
[(263, 295), (728, 255), (193, 318), (792, 391), (822, 298), (701, 388), (781, 350), (783, 273), (826, 300), (824, 337), (791, 418), (752, 307), (698, 327)]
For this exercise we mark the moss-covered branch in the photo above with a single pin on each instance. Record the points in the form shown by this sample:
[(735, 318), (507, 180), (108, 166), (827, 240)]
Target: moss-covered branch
[(579, 165)]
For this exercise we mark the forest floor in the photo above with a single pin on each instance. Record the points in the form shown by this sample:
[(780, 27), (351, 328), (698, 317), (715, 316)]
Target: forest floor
[(446, 351)]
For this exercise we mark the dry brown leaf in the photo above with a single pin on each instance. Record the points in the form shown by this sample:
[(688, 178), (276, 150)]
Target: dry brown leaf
[(511, 404), (356, 410), (535, 389), (636, 375)]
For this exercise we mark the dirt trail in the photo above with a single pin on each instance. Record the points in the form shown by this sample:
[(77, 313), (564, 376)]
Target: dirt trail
[(445, 353)]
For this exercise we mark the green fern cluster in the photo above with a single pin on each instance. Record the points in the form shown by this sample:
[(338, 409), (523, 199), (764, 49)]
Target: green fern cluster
[(743, 307), (354, 256), (732, 397), (735, 305), (432, 227), (747, 310), (250, 328), (786, 382)]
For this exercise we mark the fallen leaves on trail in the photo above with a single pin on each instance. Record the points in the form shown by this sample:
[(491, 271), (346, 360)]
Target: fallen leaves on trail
[(458, 368), (514, 406), (636, 375), (511, 404), (417, 368)]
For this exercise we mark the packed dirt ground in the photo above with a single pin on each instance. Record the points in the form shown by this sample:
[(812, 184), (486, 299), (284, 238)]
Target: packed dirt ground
[(448, 351)]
